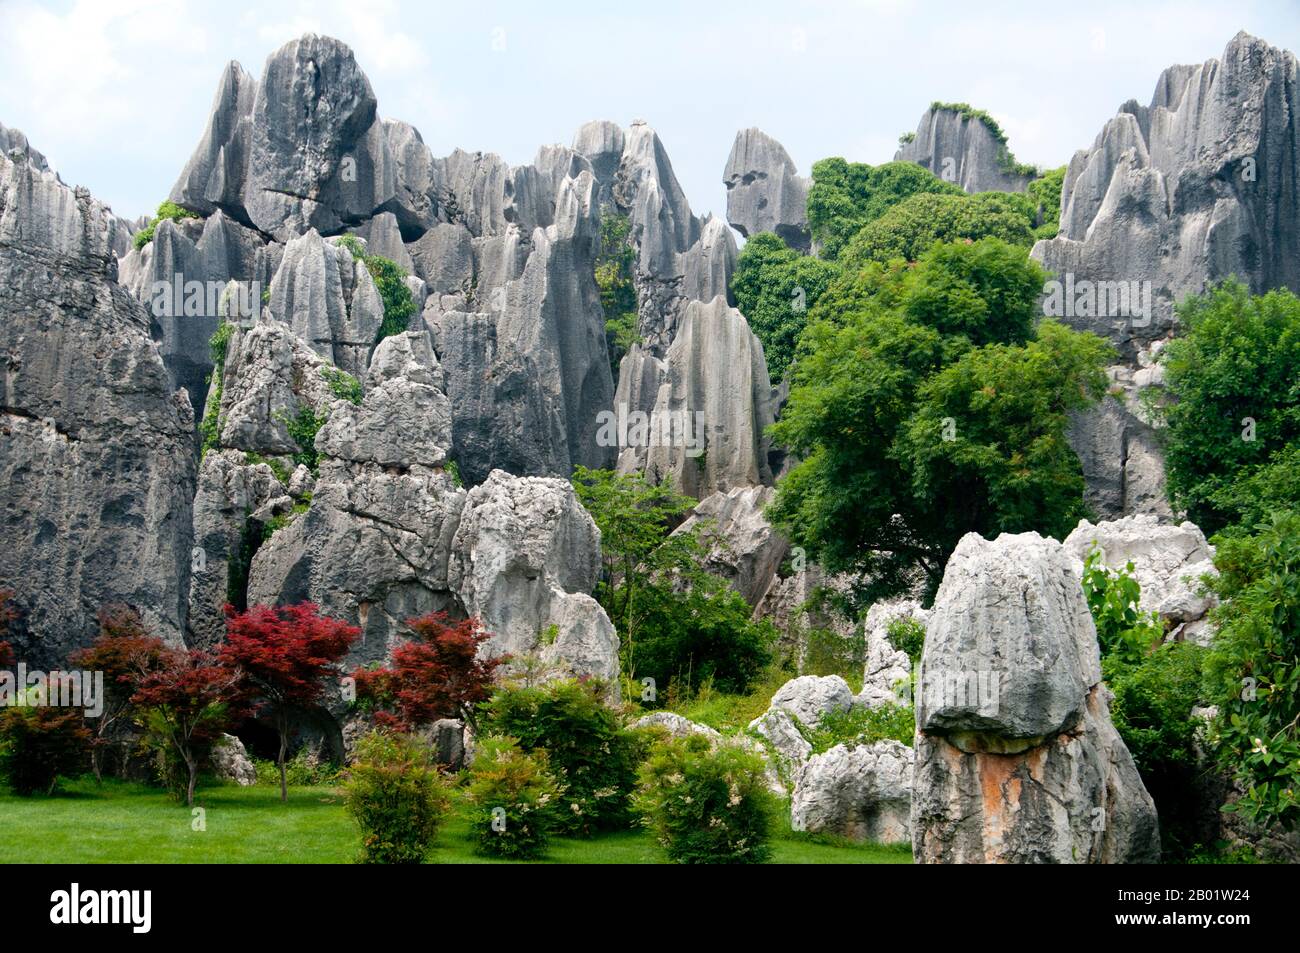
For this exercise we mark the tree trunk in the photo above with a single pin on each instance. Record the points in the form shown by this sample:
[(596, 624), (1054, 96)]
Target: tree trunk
[(193, 764), (284, 746)]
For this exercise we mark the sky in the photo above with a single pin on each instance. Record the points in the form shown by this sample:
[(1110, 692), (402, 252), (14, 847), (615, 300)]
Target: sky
[(116, 93)]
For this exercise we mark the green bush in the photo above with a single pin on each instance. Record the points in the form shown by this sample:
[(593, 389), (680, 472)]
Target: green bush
[(167, 210), (39, 745), (913, 226), (706, 805), (862, 725), (390, 282), (515, 801), (1123, 631), (342, 384), (397, 797), (588, 750), (302, 770), (210, 426), (907, 635), (827, 652)]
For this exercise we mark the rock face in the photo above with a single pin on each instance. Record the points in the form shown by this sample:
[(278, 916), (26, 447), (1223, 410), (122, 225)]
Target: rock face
[(96, 471), (962, 150), (765, 192), (708, 404), (13, 140), (1016, 757), (778, 729), (743, 548), (862, 793), (1201, 184), (1168, 563)]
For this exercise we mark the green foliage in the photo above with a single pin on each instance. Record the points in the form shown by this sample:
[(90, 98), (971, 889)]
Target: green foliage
[(304, 769), (40, 744), (390, 282), (706, 805), (167, 210), (827, 652), (513, 799), (1253, 669), (1046, 193), (846, 196), (1124, 632), (342, 384), (277, 466), (906, 137), (774, 287), (592, 756), (907, 635), (911, 227), (615, 263), (303, 427), (860, 725), (210, 425), (453, 468), (397, 797), (915, 422), (1234, 362)]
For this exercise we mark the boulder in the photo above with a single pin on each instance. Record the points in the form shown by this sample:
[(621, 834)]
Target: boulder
[(886, 677), (779, 730), (674, 724), (1168, 563), (862, 793), (1017, 760), (230, 761), (809, 697)]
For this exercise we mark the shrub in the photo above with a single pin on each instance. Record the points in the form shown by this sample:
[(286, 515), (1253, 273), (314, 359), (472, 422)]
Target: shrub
[(862, 725), (304, 769), (342, 384), (167, 210), (827, 652), (907, 635), (1123, 631), (397, 797), (706, 805), (40, 744), (591, 754), (514, 799)]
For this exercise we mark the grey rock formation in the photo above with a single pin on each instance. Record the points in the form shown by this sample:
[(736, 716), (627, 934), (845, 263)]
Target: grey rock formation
[(1168, 563), (96, 471), (885, 678), (809, 697), (230, 761), (1016, 757), (862, 793), (1201, 184), (181, 277), (329, 300), (1119, 452), (675, 725), (712, 403), (962, 150), (779, 730), (743, 548), (12, 140), (765, 192), (796, 604), (524, 557)]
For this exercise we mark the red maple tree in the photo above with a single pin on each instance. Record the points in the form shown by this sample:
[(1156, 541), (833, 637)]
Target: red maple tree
[(125, 652), (438, 674), (285, 653), (187, 701)]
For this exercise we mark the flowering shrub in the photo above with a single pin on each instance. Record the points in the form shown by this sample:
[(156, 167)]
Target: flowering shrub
[(515, 801), (592, 755), (707, 805), (397, 797)]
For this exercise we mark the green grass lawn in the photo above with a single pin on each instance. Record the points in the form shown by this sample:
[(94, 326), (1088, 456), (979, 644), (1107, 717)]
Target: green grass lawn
[(130, 823)]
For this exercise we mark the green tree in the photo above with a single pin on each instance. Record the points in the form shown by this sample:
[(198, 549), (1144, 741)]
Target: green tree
[(1046, 193), (845, 196), (774, 287), (614, 278), (1253, 669), (1233, 408), (912, 226), (914, 424)]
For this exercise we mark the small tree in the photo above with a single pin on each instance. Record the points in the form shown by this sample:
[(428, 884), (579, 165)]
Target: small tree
[(438, 674), (124, 652), (40, 744), (397, 797), (285, 653), (186, 702)]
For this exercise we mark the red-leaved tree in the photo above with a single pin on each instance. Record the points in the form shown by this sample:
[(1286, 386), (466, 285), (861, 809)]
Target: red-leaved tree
[(286, 652), (186, 702), (7, 614), (437, 674), (125, 652)]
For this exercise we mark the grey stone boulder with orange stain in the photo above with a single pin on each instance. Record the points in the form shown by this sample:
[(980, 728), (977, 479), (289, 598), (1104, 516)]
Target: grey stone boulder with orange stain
[(1017, 760)]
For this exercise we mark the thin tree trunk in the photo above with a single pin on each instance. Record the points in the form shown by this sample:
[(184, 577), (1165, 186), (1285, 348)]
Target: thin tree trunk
[(193, 764), (284, 745)]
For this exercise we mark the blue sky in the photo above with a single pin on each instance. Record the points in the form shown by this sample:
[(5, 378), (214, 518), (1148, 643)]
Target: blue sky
[(116, 92)]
